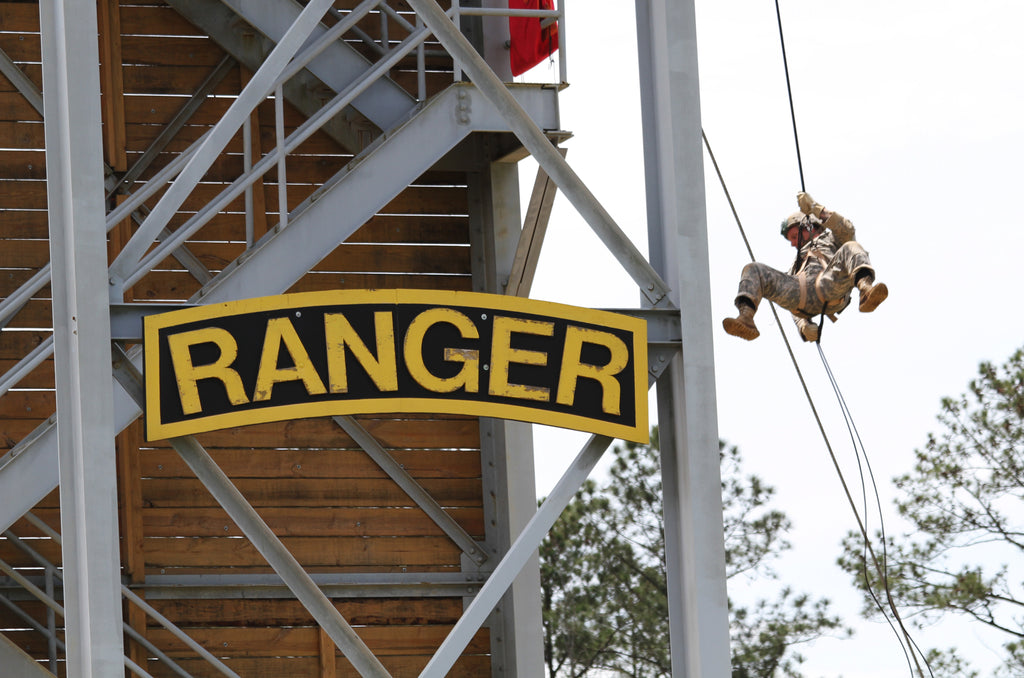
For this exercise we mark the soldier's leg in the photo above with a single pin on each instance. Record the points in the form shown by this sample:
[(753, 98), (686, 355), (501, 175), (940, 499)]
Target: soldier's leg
[(759, 281), (849, 268)]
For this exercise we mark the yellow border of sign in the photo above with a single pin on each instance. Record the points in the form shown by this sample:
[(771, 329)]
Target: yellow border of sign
[(157, 430)]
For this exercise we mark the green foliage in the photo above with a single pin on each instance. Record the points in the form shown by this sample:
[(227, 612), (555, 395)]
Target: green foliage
[(604, 582), (962, 499)]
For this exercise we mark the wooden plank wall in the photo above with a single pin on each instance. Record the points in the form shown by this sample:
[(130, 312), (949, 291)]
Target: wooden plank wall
[(331, 506)]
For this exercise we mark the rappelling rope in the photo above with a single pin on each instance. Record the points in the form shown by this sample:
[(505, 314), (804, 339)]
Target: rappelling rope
[(789, 91), (859, 450), (910, 648), (901, 633), (796, 136), (858, 446)]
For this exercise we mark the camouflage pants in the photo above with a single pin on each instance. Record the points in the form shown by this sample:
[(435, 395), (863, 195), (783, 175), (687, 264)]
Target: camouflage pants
[(820, 283)]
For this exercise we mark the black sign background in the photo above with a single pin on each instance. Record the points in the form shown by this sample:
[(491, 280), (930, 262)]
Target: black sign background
[(248, 330)]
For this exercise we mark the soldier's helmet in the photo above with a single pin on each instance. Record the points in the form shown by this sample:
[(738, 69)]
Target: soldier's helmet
[(808, 221)]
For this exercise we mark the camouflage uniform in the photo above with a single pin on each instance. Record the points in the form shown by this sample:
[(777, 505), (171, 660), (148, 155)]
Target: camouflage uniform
[(821, 278)]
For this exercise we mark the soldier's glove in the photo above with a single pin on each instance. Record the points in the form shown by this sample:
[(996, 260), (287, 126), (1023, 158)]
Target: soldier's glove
[(808, 331), (807, 204)]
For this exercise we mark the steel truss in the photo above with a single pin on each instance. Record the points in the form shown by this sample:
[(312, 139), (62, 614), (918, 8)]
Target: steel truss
[(403, 136)]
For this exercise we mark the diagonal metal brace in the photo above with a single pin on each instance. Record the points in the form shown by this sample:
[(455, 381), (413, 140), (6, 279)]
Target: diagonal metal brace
[(412, 488), (512, 563), (21, 82), (521, 550), (260, 535)]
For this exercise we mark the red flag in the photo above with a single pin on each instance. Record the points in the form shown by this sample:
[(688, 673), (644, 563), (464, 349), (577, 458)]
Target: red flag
[(529, 43)]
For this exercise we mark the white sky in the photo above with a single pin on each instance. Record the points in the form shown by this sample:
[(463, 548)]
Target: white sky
[(909, 115)]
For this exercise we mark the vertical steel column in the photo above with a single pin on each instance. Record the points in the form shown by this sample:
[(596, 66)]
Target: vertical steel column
[(507, 446), (496, 38), (677, 229), (81, 321)]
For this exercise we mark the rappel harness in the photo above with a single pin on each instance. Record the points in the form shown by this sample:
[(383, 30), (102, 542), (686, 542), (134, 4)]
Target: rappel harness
[(801, 260)]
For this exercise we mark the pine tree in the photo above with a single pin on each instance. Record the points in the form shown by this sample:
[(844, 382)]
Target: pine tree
[(965, 550), (604, 582)]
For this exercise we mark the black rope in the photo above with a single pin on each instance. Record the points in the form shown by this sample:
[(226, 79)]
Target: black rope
[(821, 325), (789, 91)]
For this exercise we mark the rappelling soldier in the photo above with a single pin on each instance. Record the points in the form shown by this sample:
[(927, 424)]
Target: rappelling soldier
[(829, 264)]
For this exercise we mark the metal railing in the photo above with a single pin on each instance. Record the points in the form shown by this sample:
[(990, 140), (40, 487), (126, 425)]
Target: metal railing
[(548, 16), (52, 575)]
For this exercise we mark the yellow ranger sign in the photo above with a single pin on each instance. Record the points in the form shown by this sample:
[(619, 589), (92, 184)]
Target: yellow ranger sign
[(353, 352)]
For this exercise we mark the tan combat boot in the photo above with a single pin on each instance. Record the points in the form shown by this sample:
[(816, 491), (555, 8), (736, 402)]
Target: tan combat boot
[(871, 294), (742, 326)]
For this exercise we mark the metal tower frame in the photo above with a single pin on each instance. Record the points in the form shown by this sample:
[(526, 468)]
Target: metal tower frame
[(94, 402)]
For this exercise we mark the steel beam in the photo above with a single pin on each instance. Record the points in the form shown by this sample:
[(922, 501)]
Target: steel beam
[(10, 306), (48, 630), (358, 585), (508, 450), (495, 38), (384, 103), (304, 131), (17, 664), (48, 599), (304, 91), (29, 362), (518, 555), (677, 228), (279, 558), (171, 129), (174, 631), (28, 89), (506, 447), (413, 489), (347, 585), (21, 82), (13, 303), (85, 427), (127, 593), (29, 471)]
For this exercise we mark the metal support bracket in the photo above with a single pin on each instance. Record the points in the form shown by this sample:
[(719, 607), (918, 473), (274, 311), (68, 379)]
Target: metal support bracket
[(387, 463)]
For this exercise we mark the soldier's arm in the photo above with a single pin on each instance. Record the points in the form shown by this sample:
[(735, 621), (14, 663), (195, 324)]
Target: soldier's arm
[(841, 227)]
